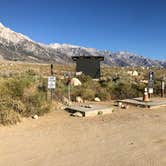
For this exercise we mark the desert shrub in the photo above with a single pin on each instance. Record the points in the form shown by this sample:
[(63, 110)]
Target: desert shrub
[(43, 85), (16, 105), (103, 94), (14, 87), (30, 72), (32, 110), (157, 87), (23, 95), (87, 90), (10, 111), (137, 89), (88, 94), (85, 93), (9, 117), (84, 78), (125, 89), (37, 104), (61, 89)]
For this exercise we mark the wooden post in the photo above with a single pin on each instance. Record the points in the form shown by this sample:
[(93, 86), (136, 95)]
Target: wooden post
[(52, 69)]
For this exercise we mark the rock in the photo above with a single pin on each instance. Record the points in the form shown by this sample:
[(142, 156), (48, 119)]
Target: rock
[(78, 73), (66, 101), (75, 82), (69, 103), (79, 99), (130, 73), (119, 104), (97, 99), (35, 117), (135, 73), (103, 78), (61, 106), (77, 114), (124, 106)]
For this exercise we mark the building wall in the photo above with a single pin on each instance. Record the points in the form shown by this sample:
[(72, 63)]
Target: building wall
[(90, 67)]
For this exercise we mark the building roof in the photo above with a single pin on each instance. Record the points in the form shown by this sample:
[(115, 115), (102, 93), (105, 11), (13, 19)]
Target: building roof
[(75, 58)]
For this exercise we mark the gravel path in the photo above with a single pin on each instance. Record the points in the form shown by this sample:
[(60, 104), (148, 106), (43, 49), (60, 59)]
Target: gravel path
[(136, 137)]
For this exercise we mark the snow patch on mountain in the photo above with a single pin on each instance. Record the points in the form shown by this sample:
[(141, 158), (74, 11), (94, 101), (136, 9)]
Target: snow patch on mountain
[(16, 46), (11, 36), (65, 46)]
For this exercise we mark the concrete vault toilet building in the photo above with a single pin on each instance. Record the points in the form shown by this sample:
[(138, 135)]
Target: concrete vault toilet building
[(89, 65)]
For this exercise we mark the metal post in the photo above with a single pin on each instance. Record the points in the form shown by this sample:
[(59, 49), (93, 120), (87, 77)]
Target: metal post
[(69, 87), (162, 88), (51, 75), (69, 98)]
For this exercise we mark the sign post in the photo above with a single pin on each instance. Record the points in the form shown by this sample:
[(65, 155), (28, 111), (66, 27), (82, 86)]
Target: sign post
[(150, 83), (162, 88), (68, 83), (51, 84)]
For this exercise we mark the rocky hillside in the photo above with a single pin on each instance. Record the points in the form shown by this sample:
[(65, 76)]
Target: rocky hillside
[(17, 47)]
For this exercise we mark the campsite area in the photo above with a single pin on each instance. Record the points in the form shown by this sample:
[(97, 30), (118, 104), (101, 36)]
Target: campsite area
[(132, 136)]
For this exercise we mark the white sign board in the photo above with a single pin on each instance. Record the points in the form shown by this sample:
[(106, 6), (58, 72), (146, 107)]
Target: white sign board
[(51, 82), (162, 85), (150, 90)]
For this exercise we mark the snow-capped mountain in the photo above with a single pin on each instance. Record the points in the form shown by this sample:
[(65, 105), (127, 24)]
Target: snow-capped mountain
[(18, 47)]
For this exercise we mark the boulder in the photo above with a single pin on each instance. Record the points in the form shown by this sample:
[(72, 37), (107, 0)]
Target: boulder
[(97, 99), (79, 99), (120, 104), (75, 82), (66, 101), (125, 106), (135, 73), (61, 106), (35, 117), (79, 73)]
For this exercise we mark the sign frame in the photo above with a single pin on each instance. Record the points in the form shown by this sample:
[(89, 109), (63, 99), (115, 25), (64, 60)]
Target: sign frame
[(51, 84)]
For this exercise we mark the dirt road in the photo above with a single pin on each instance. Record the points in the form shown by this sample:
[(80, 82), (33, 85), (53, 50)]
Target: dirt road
[(135, 137)]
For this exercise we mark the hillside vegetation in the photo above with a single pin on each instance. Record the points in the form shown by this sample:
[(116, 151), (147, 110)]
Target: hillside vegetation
[(24, 93)]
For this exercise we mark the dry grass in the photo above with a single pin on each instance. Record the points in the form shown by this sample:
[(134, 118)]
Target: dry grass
[(24, 85)]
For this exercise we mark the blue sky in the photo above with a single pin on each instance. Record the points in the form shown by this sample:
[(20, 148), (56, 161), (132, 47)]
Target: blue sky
[(137, 26)]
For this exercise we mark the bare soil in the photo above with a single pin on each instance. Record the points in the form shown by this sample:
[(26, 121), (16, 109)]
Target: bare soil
[(133, 137)]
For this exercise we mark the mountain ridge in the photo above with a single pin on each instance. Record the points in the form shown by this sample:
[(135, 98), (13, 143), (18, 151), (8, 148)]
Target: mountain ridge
[(18, 47)]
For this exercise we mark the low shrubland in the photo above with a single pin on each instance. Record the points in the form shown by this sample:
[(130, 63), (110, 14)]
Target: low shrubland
[(105, 90), (115, 84), (22, 96), (23, 88)]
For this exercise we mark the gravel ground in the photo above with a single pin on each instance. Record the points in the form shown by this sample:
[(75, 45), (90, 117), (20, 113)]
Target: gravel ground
[(133, 137)]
